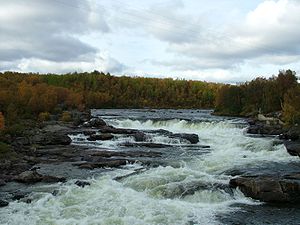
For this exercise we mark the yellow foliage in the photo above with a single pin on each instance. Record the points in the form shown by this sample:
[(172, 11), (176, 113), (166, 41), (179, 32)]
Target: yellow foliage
[(2, 123), (44, 116), (66, 116)]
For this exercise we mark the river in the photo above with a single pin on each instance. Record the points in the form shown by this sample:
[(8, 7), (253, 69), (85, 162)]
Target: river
[(187, 185)]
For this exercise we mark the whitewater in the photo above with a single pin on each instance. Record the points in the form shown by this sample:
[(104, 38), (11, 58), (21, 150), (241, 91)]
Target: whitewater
[(188, 185)]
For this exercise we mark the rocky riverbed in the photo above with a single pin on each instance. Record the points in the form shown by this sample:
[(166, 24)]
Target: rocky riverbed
[(58, 153)]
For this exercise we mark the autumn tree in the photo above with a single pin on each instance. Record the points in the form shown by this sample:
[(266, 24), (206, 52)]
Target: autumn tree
[(2, 121)]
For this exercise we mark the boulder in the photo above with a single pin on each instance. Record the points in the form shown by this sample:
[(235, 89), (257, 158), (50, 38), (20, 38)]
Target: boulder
[(259, 127), (31, 177), (293, 147), (101, 137), (2, 182), (89, 132), (95, 122), (269, 188), (292, 134), (103, 164), (146, 145), (3, 203), (19, 195), (51, 138), (113, 130), (192, 138), (139, 137), (81, 183)]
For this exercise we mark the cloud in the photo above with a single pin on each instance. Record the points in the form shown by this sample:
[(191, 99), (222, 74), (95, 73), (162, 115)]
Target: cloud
[(101, 62), (270, 31), (41, 32)]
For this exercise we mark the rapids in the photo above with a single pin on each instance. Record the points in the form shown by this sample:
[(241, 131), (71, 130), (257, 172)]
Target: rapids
[(190, 187)]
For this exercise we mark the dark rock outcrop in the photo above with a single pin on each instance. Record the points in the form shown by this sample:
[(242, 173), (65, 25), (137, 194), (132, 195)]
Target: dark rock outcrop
[(2, 182), (96, 123), (292, 134), (293, 147), (100, 137), (31, 177), (48, 138), (107, 163), (269, 188), (3, 203), (81, 183), (259, 127), (146, 145), (139, 136), (192, 138)]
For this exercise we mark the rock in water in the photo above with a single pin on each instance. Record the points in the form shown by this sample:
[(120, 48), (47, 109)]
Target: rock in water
[(269, 188), (139, 136), (293, 147), (31, 177), (3, 203), (101, 137), (81, 183), (192, 138), (95, 122)]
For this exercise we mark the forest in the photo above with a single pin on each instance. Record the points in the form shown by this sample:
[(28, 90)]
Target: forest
[(36, 96)]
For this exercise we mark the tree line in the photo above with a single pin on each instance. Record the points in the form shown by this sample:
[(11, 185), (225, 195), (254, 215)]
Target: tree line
[(30, 95), (279, 93)]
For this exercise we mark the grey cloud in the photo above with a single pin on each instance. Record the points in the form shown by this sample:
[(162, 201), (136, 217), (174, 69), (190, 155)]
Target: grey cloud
[(47, 29)]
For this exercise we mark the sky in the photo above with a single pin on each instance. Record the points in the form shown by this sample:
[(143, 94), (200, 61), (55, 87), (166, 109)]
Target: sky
[(210, 40)]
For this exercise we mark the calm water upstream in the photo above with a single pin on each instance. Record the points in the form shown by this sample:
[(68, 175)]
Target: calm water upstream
[(187, 185)]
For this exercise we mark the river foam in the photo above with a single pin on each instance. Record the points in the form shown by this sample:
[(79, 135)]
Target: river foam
[(192, 193)]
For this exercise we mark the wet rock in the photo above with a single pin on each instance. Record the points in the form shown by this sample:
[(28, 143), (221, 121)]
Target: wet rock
[(55, 192), (95, 122), (293, 147), (19, 195), (49, 138), (269, 188), (2, 182), (89, 132), (139, 137), (292, 134), (262, 128), (103, 164), (146, 144), (192, 138), (113, 130), (53, 179), (101, 137), (3, 203), (31, 177), (81, 183)]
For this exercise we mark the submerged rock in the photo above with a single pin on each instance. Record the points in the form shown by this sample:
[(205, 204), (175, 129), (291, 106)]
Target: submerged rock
[(3, 203), (192, 138), (2, 182), (81, 183), (269, 188), (100, 137)]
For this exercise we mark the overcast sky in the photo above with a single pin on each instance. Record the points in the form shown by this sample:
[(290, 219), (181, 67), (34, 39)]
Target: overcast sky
[(212, 40)]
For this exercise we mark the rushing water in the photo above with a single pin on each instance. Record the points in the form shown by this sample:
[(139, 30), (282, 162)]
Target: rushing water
[(188, 188)]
